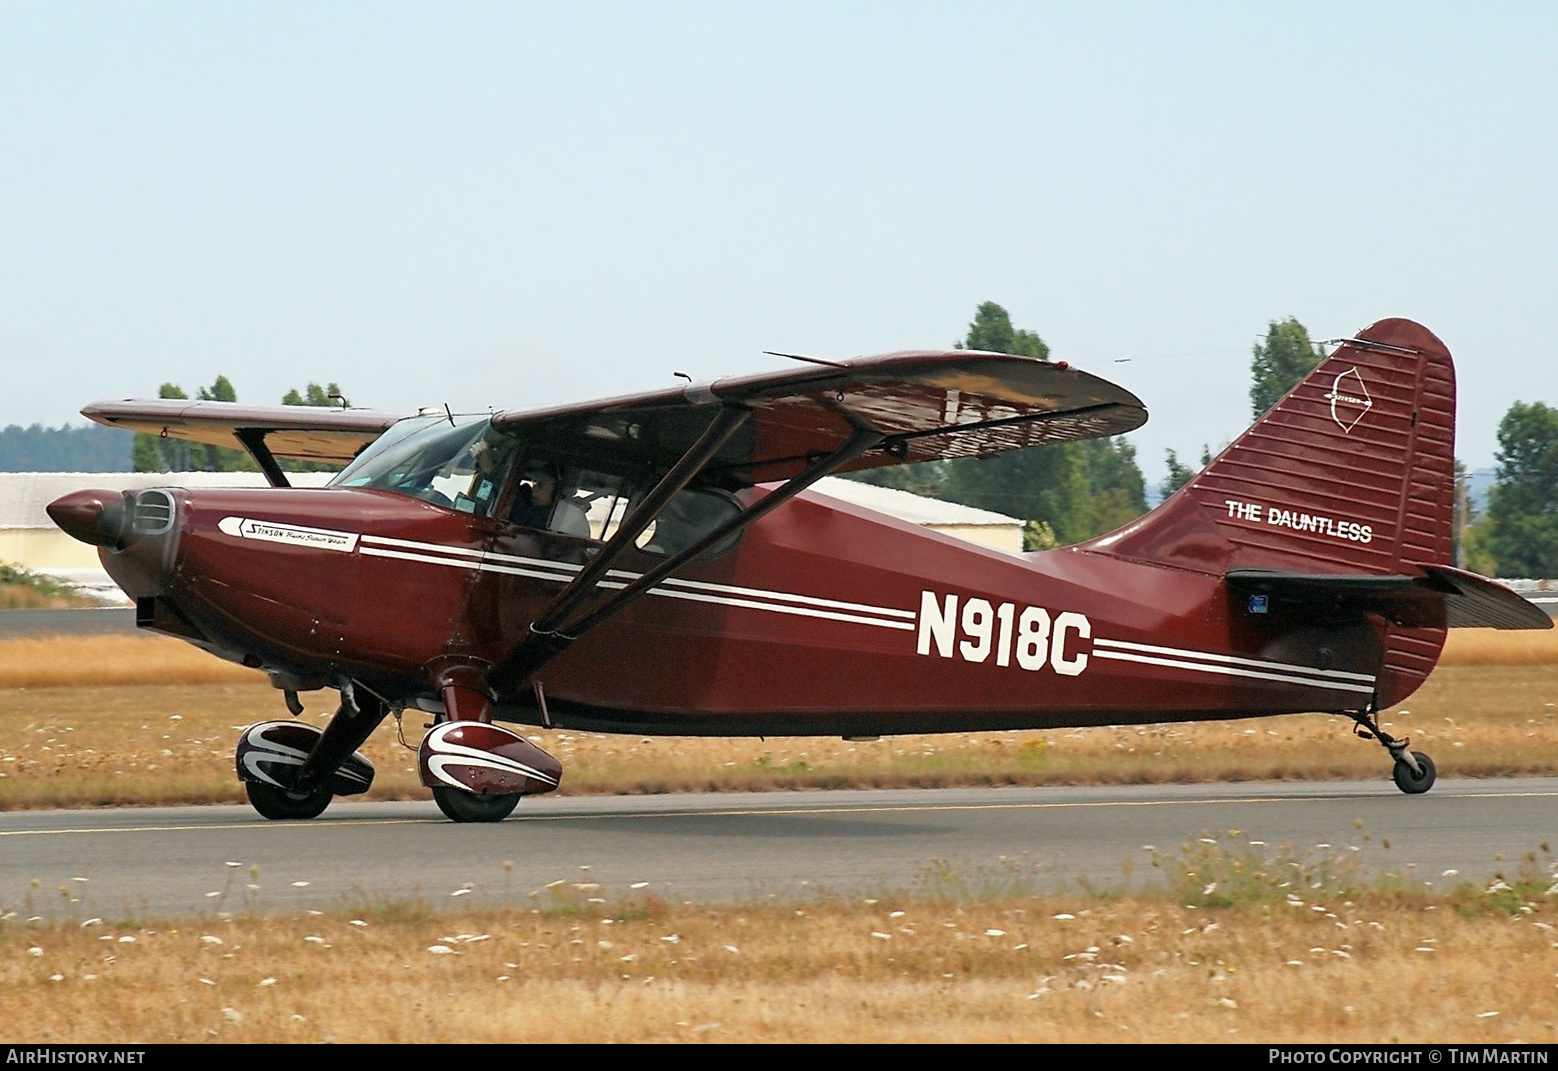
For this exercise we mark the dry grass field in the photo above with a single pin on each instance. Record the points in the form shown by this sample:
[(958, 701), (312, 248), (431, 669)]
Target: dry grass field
[(129, 720), (1243, 944)]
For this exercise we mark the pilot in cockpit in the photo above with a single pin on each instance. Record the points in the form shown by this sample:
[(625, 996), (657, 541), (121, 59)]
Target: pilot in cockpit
[(544, 501), (534, 500)]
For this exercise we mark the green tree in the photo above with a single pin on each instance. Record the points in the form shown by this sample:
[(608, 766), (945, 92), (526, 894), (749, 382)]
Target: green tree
[(1521, 533), (1277, 364), (1178, 474), (314, 394), (221, 458), (152, 453), (1066, 492), (993, 332)]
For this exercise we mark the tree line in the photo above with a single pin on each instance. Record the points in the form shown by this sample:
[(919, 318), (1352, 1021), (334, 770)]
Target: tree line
[(93, 448), (151, 453)]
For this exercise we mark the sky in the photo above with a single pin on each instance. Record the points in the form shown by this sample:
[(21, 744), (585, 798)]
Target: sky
[(514, 205)]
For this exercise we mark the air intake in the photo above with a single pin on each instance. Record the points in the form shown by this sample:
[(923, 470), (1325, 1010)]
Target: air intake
[(153, 513)]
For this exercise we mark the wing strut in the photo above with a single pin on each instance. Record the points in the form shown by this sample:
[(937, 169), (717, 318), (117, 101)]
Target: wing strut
[(544, 645), (544, 641), (253, 440)]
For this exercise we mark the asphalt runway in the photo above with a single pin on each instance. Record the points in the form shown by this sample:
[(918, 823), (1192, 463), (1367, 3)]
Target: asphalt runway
[(82, 622), (178, 862)]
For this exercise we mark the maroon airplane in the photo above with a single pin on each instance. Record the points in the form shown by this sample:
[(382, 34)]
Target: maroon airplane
[(649, 564)]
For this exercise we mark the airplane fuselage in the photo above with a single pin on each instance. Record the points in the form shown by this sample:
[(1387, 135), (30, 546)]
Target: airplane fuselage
[(824, 618)]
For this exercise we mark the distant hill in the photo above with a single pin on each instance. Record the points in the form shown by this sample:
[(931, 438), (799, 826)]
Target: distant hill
[(92, 448)]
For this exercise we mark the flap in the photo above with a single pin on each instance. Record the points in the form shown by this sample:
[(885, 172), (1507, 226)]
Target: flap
[(929, 405), (304, 432)]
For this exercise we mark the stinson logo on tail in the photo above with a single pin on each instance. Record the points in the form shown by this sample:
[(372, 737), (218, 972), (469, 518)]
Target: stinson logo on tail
[(1349, 398)]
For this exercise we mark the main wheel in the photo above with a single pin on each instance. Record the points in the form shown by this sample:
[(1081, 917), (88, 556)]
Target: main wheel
[(1414, 783), (461, 806), (276, 804)]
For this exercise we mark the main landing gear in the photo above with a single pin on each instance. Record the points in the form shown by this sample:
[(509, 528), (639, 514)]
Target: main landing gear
[(1414, 771), (291, 770), (279, 804), (459, 805), (477, 770)]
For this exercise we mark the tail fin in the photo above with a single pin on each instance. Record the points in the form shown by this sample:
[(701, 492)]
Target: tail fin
[(1351, 473)]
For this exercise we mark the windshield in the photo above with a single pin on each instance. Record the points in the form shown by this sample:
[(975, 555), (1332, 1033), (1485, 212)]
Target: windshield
[(459, 465)]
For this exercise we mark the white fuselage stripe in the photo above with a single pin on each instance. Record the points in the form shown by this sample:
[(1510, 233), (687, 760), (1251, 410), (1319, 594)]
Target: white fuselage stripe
[(800, 611), (1231, 671), (838, 610), (1205, 656), (805, 600), (562, 572), (411, 544), (374, 552)]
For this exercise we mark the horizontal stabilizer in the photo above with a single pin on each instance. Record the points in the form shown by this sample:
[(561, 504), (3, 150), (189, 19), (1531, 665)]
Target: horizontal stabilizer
[(1440, 598), (1482, 603)]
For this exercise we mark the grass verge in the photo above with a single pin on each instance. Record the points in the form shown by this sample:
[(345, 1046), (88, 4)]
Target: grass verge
[(1236, 943), (21, 589)]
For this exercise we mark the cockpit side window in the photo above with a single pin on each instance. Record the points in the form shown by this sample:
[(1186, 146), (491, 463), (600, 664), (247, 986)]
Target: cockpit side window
[(460, 466), (588, 504), (570, 500)]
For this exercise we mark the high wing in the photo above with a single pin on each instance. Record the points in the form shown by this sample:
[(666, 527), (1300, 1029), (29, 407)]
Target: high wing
[(925, 405), (302, 432)]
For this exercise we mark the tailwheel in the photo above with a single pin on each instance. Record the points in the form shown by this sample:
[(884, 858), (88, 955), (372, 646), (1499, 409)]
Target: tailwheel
[(1413, 781), (278, 804), (1413, 771), (461, 806)]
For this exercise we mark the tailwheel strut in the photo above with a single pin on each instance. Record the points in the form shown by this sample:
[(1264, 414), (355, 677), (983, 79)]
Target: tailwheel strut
[(1413, 771)]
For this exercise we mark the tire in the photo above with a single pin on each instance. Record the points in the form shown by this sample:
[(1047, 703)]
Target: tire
[(461, 806), (1414, 783), (277, 805)]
